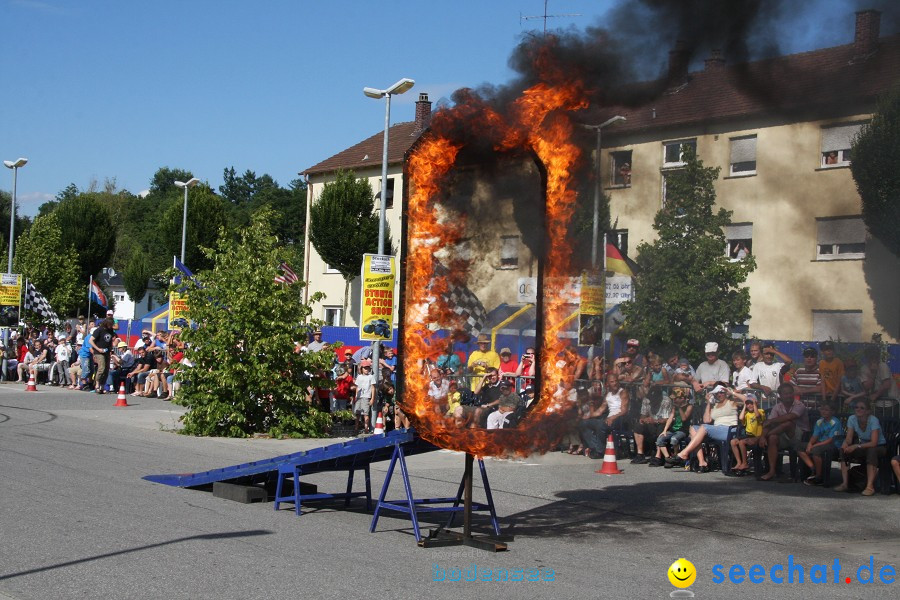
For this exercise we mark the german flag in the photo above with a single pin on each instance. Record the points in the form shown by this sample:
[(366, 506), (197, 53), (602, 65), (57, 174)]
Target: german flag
[(617, 262)]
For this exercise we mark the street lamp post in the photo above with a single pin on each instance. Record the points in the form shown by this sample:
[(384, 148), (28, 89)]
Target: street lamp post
[(597, 184), (185, 184), (404, 85), (14, 165)]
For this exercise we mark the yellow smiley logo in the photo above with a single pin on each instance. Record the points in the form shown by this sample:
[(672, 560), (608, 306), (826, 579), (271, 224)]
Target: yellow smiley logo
[(682, 573)]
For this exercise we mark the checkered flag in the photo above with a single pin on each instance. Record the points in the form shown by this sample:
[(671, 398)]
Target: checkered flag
[(470, 312), (35, 302)]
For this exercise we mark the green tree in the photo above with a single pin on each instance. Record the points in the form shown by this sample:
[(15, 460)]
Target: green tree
[(136, 276), (876, 155), (87, 224), (245, 376), (343, 226), (164, 179), (22, 223), (44, 258), (688, 291), (205, 220)]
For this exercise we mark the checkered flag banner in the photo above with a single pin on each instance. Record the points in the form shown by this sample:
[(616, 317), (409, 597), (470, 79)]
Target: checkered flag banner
[(35, 301), (470, 312)]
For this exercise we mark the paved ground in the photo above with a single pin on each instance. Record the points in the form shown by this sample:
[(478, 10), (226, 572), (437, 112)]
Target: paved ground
[(79, 522)]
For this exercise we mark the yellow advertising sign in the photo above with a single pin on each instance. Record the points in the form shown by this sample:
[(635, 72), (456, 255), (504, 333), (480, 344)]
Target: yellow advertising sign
[(10, 290), (177, 308), (376, 321), (593, 306)]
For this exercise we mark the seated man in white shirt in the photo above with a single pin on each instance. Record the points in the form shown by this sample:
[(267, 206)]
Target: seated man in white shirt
[(509, 401)]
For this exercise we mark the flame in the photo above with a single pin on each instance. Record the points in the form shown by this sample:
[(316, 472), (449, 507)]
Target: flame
[(538, 121)]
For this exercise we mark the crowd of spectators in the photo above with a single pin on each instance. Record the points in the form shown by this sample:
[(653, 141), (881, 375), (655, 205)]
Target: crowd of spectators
[(92, 357)]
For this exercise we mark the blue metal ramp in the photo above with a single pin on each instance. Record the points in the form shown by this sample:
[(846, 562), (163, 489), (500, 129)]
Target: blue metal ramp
[(347, 456)]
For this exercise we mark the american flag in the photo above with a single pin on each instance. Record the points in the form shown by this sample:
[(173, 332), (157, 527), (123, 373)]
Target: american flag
[(288, 276), (35, 301)]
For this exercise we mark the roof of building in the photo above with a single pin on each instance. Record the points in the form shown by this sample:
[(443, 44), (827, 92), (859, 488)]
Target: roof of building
[(368, 152), (824, 83)]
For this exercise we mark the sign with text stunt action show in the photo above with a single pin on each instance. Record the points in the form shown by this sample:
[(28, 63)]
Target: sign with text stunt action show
[(379, 273)]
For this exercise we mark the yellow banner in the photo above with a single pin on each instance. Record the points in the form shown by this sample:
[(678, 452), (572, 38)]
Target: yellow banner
[(11, 290), (379, 273), (593, 306), (177, 309)]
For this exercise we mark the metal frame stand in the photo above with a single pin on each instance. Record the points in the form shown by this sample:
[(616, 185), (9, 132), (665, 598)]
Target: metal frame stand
[(414, 506), (295, 471)]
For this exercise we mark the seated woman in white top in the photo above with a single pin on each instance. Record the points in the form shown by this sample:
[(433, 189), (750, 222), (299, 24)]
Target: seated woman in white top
[(719, 416)]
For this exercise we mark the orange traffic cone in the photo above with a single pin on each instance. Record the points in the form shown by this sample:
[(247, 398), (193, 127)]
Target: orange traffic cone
[(379, 424), (120, 399), (610, 467), (31, 387)]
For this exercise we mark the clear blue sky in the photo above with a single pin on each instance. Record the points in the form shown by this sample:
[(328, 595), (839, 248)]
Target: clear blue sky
[(96, 89)]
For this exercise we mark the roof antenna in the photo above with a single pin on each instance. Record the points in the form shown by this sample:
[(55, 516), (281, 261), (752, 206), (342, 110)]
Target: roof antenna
[(545, 16)]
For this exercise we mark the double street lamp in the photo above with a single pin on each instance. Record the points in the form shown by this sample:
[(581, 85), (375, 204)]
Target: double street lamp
[(402, 86), (14, 165), (186, 185)]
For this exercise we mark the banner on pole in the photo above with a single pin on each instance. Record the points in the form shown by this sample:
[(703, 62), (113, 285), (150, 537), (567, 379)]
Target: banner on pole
[(10, 299), (592, 307), (379, 274), (177, 310)]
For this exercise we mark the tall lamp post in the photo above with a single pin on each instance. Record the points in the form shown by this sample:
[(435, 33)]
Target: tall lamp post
[(186, 185), (14, 165), (597, 184), (402, 86)]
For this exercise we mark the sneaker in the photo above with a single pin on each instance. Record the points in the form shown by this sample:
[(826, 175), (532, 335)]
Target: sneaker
[(840, 488), (655, 462), (639, 459)]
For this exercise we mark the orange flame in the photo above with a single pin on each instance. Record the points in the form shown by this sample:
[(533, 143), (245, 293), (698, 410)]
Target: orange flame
[(539, 121)]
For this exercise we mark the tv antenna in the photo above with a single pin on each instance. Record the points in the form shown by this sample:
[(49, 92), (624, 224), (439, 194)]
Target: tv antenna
[(545, 16)]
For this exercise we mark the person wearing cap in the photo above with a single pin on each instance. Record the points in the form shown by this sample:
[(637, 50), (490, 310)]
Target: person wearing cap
[(316, 344), (807, 379), (711, 370), (363, 386), (508, 366), (720, 415), (784, 428), (347, 365), (752, 418), (831, 368), (632, 349), (483, 358), (122, 364), (146, 340)]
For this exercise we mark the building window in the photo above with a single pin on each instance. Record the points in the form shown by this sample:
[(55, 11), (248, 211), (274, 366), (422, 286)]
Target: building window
[(149, 302), (836, 142), (509, 252), (330, 271), (119, 297), (620, 168), (665, 186), (844, 325), (333, 315), (743, 155), (739, 238), (840, 238), (673, 152), (619, 239), (390, 193)]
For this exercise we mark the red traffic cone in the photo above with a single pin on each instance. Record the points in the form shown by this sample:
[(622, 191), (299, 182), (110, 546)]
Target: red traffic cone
[(610, 467), (379, 424), (31, 387), (120, 399)]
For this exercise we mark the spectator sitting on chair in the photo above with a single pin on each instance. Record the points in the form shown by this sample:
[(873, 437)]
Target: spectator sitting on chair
[(752, 417), (826, 436), (41, 360), (865, 429), (676, 428), (656, 408), (784, 429), (594, 428), (721, 414), (507, 404)]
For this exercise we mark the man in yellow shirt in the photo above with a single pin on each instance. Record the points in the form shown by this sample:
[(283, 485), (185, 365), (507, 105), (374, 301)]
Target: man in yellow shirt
[(484, 357)]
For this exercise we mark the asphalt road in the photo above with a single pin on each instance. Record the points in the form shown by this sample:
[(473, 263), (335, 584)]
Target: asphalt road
[(79, 522)]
